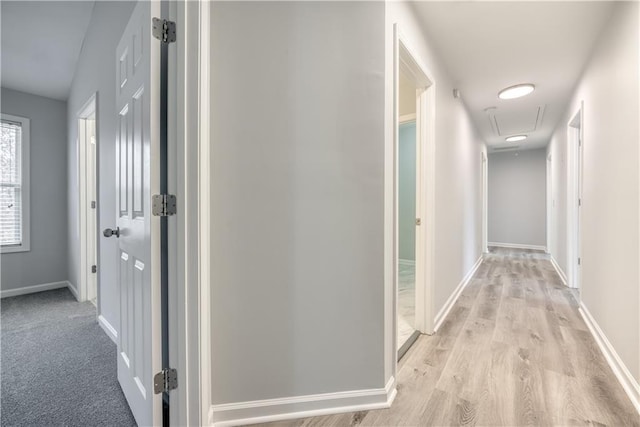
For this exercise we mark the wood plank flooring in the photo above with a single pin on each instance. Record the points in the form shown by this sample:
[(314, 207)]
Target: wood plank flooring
[(514, 351)]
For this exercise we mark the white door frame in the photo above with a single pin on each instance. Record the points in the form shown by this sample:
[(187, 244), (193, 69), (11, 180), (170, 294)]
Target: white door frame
[(575, 144), (188, 178), (406, 60), (87, 192), (549, 201), (485, 203)]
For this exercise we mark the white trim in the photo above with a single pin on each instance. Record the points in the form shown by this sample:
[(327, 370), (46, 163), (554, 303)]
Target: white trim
[(25, 186), (407, 118), (451, 301), (189, 169), (35, 288), (629, 384), (559, 270), (262, 411), (518, 246), (204, 209), (549, 199), (574, 190), (108, 328), (407, 262), (74, 291), (485, 198), (89, 108)]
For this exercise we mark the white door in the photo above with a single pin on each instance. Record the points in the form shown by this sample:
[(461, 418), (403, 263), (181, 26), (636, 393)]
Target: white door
[(138, 177)]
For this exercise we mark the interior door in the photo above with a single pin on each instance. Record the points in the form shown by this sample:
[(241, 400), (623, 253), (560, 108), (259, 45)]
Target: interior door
[(138, 177)]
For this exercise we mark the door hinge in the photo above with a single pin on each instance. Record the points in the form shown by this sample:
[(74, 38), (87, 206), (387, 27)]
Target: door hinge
[(163, 205), (164, 30), (579, 261), (418, 221), (579, 202), (165, 381), (94, 268), (93, 204)]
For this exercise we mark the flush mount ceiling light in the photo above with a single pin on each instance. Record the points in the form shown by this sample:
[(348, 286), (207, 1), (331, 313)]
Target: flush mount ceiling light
[(515, 138), (516, 91)]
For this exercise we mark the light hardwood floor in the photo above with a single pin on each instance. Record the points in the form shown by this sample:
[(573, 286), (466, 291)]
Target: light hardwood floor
[(514, 351)]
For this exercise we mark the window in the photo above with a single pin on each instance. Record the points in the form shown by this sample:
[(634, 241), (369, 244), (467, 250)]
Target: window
[(14, 184)]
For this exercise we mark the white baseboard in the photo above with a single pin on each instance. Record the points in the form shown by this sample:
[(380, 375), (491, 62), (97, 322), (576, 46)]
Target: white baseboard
[(262, 411), (108, 329), (73, 290), (518, 246), (629, 384), (33, 289), (407, 262), (444, 311), (563, 276)]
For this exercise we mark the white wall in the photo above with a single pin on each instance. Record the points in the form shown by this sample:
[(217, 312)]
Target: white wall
[(517, 201), (95, 72), (609, 88), (297, 195), (46, 261), (458, 199)]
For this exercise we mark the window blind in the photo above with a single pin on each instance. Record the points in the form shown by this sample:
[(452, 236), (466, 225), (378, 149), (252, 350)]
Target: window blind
[(11, 226)]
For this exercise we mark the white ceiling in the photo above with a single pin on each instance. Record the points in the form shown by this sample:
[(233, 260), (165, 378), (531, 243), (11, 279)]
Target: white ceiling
[(488, 46), (41, 42)]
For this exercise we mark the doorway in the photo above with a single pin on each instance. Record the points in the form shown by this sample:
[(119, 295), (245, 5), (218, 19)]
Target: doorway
[(485, 198), (550, 202), (407, 217), (414, 195), (88, 199), (575, 139)]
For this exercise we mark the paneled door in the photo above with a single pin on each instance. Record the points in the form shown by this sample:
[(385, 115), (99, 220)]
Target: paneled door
[(138, 177)]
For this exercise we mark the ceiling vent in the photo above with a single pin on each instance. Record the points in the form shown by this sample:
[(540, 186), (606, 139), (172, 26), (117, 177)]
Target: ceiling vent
[(515, 120)]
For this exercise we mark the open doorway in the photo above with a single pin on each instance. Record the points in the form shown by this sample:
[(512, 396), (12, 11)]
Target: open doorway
[(87, 178), (407, 215), (485, 198), (574, 191), (414, 196)]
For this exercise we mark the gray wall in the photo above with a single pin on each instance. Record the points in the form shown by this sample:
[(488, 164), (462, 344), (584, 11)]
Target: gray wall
[(46, 261), (95, 72), (517, 197), (297, 262), (407, 192), (610, 243)]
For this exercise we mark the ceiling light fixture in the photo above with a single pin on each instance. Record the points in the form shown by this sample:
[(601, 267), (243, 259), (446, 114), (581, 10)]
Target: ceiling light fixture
[(515, 138), (516, 91)]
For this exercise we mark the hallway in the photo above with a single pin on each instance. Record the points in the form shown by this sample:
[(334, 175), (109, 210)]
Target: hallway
[(513, 351)]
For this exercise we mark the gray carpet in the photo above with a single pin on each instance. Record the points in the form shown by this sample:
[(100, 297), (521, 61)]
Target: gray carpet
[(57, 366)]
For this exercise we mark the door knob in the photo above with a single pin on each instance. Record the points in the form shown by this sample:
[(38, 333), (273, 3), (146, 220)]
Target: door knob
[(109, 232)]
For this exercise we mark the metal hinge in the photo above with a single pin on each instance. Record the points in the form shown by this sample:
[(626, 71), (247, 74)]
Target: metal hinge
[(94, 268), (579, 261), (164, 30), (93, 204), (165, 381), (579, 202), (163, 205), (418, 221)]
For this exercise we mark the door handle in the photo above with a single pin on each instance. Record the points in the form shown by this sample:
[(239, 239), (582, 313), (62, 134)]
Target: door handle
[(109, 232)]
